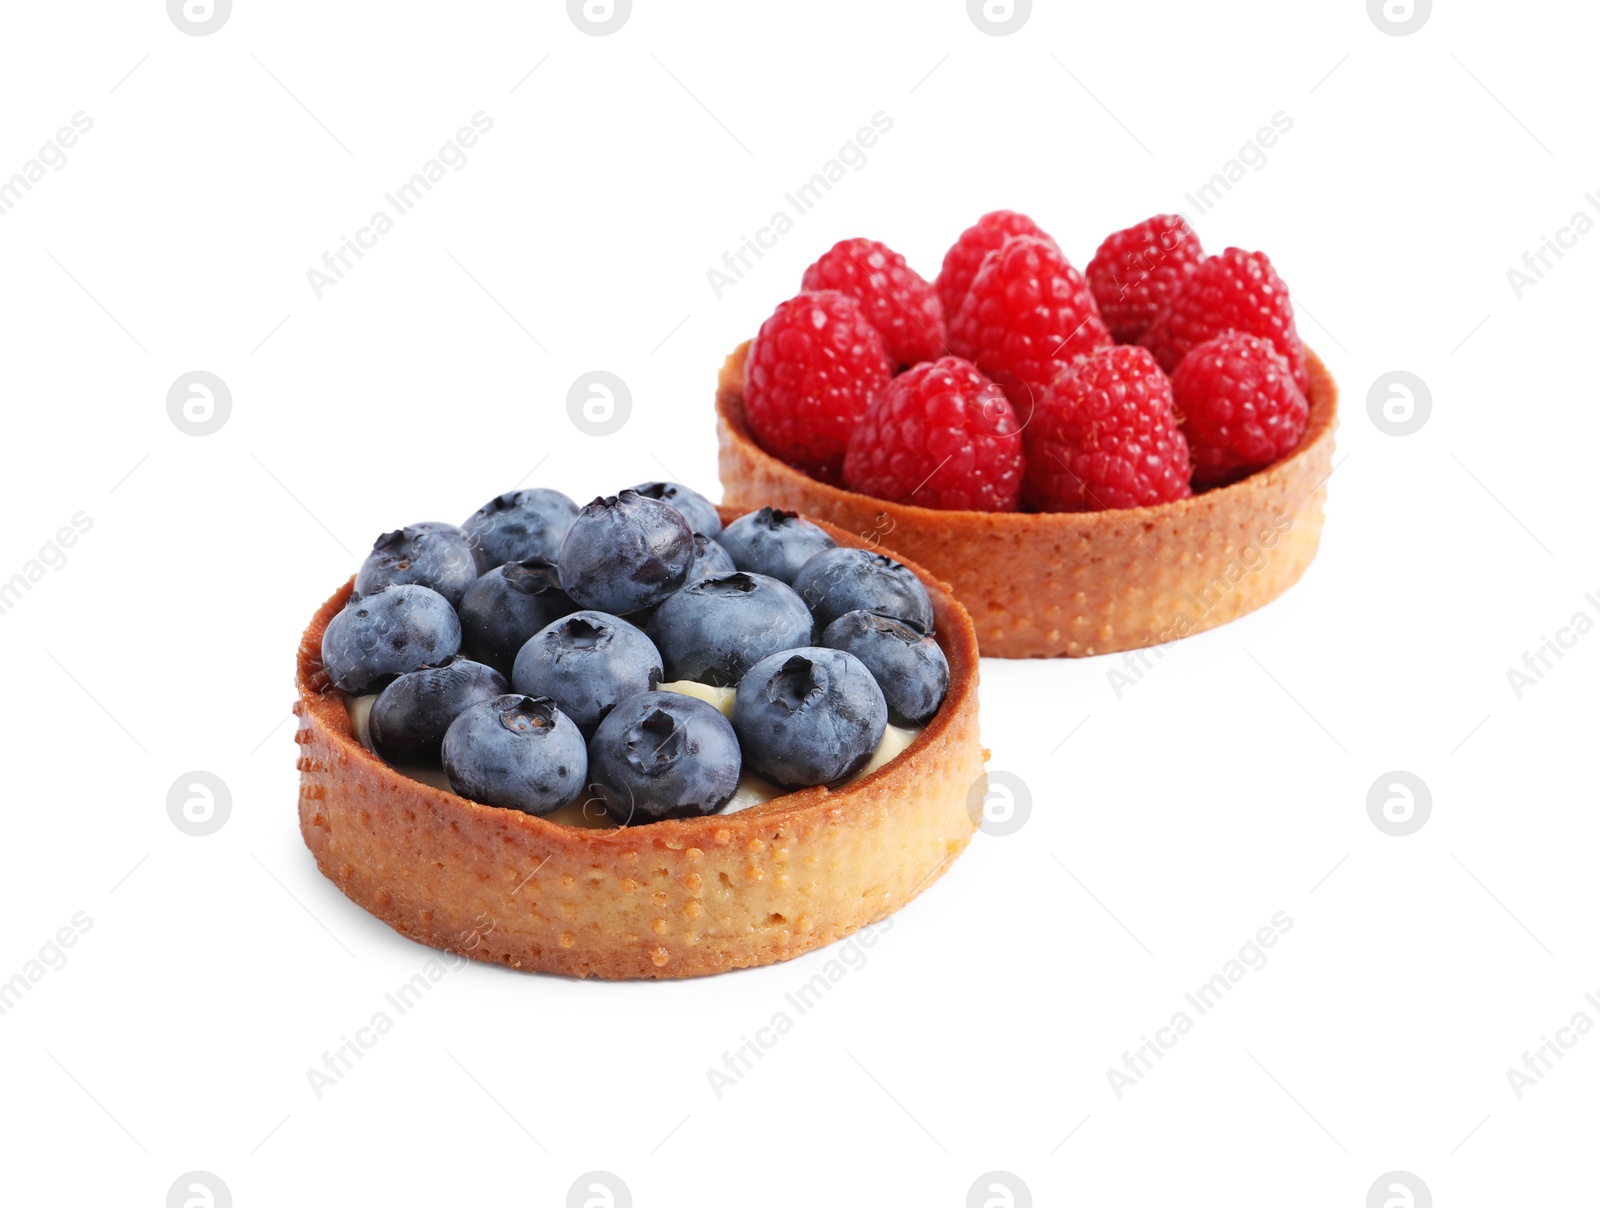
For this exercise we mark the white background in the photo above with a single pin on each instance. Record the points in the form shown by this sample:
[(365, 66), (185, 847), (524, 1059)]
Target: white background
[(1228, 784)]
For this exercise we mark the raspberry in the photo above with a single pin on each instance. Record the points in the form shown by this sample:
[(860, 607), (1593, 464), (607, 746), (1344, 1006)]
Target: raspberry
[(1239, 406), (1027, 317), (965, 257), (1105, 436), (1137, 272), (942, 436), (898, 302), (812, 369), (1236, 291)]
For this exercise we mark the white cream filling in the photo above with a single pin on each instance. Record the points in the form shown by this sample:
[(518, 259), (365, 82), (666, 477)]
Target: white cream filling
[(752, 790), (360, 710), (722, 698)]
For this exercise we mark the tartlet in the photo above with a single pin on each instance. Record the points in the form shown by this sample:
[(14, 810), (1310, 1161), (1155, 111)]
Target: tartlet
[(1047, 584), (677, 898)]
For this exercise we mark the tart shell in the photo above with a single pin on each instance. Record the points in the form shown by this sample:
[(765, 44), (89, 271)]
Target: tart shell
[(677, 898), (1047, 584)]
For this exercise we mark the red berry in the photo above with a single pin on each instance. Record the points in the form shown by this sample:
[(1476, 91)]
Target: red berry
[(965, 257), (812, 369), (898, 302), (1105, 436), (1236, 291), (1239, 406), (1138, 271), (1027, 317), (941, 435)]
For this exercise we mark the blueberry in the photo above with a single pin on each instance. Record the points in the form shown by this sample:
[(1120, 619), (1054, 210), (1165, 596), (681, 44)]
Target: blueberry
[(843, 580), (587, 662), (663, 755), (519, 752), (809, 716), (699, 511), (626, 552), (910, 668), (392, 631), (521, 524), (715, 629), (507, 606), (434, 555), (439, 526), (410, 716), (709, 559), (770, 542)]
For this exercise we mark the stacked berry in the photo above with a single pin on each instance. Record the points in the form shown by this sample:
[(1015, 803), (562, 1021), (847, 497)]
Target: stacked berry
[(544, 654), (1012, 380)]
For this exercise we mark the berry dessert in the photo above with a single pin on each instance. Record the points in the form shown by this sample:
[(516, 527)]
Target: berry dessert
[(643, 756), (1095, 462)]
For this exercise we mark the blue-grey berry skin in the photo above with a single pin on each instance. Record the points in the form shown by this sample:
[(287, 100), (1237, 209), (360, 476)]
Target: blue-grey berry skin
[(439, 526), (521, 524), (699, 511), (709, 559), (809, 716), (663, 755), (716, 629), (507, 606), (411, 715), (517, 752), (392, 631), (433, 555), (773, 542), (842, 580), (911, 670), (587, 662), (625, 552)]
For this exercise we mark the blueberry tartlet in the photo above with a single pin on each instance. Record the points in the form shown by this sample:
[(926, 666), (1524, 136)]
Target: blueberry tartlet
[(647, 737)]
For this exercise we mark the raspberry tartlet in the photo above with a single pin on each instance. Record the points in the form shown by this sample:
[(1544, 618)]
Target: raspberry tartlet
[(626, 802), (1176, 437)]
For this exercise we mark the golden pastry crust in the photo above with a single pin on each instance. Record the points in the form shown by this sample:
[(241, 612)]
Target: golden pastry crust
[(1042, 585), (677, 898)]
